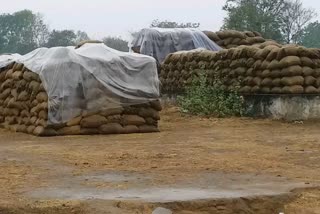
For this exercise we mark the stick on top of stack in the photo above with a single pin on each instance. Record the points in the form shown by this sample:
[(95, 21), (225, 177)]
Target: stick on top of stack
[(260, 69), (89, 90)]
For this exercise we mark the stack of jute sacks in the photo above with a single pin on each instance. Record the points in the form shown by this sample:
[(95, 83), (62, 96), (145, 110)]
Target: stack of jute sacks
[(259, 69), (230, 38), (24, 108)]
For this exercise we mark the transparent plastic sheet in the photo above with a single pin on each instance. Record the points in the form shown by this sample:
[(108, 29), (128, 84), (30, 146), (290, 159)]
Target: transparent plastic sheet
[(92, 78), (159, 43), (6, 59)]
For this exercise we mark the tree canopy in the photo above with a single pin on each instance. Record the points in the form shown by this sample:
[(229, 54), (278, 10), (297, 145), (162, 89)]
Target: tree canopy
[(21, 32), (116, 43), (310, 38), (280, 20), (61, 38), (24, 31), (285, 21), (81, 36)]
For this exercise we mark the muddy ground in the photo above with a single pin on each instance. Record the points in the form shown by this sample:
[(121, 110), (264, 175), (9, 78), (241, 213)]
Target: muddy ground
[(194, 165)]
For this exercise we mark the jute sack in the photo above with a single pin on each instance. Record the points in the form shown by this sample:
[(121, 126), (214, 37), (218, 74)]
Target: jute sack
[(17, 75), (71, 130), (30, 129), (276, 90), (311, 90), (93, 121), (318, 82), (266, 82), (266, 73), (245, 89), (274, 64), (111, 128), (291, 81), (113, 111), (257, 73), (295, 89), (289, 61), (255, 89), (156, 104), (148, 129), (307, 71), (4, 94), (151, 121), (23, 96), (149, 112), (129, 129), (42, 97), (310, 81), (291, 51), (273, 54), (89, 131), (247, 81), (295, 70), (133, 120), (9, 74), (41, 131), (257, 81), (305, 61), (276, 82), (30, 76), (74, 121)]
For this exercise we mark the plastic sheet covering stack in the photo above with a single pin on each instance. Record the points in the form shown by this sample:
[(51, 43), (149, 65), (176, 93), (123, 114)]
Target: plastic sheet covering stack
[(6, 59), (230, 38), (260, 69), (90, 90), (158, 43)]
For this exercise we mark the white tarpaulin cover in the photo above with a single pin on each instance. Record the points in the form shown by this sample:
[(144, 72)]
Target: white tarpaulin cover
[(91, 78), (159, 42), (6, 59)]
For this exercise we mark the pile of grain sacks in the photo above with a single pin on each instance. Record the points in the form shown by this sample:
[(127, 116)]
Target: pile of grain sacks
[(259, 69), (230, 38), (49, 102)]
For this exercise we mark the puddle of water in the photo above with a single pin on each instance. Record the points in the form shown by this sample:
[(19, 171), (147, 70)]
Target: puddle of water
[(225, 186), (149, 195), (112, 177)]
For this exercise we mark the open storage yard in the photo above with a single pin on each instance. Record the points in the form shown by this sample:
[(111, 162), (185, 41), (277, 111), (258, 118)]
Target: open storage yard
[(172, 118), (194, 165)]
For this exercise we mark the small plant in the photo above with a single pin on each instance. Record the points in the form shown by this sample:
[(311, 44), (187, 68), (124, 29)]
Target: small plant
[(204, 99)]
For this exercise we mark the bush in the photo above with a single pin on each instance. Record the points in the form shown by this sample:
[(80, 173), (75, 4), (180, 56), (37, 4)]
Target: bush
[(202, 99)]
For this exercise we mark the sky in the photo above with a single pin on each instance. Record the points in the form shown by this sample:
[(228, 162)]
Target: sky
[(100, 18)]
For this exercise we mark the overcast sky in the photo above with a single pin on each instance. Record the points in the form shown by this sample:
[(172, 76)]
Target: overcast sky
[(101, 18)]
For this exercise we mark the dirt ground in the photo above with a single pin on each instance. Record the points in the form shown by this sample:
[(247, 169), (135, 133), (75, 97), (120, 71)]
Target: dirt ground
[(185, 151)]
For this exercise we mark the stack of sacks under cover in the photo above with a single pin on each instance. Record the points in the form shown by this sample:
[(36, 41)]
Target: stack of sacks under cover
[(90, 90)]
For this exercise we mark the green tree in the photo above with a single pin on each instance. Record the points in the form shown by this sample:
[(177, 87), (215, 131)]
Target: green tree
[(294, 18), (116, 43), (310, 38), (255, 15), (169, 24), (61, 38), (81, 36), (21, 32), (280, 20)]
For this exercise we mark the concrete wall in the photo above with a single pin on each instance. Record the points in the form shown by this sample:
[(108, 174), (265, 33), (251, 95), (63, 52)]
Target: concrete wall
[(285, 107), (280, 107)]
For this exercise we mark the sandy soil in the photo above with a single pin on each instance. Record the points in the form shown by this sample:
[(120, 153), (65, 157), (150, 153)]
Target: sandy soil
[(186, 149)]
